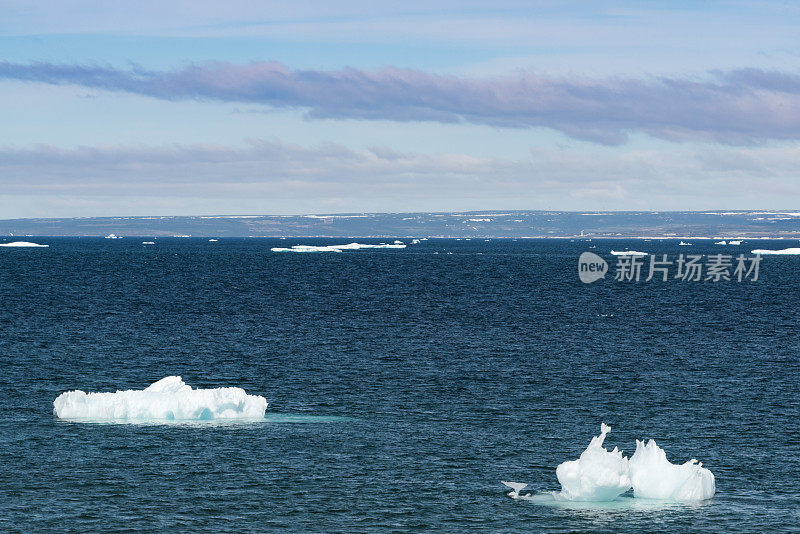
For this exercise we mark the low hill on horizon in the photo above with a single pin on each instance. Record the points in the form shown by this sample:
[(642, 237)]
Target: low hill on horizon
[(513, 224)]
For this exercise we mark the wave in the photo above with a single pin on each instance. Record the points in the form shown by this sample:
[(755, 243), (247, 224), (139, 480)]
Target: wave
[(603, 476), (335, 248), (22, 244), (784, 252), (167, 400)]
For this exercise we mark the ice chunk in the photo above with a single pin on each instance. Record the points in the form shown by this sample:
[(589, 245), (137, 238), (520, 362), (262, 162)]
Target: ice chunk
[(515, 488), (785, 251), (654, 477), (598, 475), (22, 244), (628, 253), (334, 248), (169, 399)]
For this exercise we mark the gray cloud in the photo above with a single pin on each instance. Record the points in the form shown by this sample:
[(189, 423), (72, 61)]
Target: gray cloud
[(274, 170), (737, 107)]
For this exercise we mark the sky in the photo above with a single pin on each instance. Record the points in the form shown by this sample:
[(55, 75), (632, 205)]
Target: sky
[(265, 107)]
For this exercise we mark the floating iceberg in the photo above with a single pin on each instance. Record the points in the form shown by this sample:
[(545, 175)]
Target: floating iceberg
[(785, 251), (723, 242), (603, 476), (168, 400), (334, 248), (148, 243), (22, 244), (628, 253), (654, 477), (598, 475)]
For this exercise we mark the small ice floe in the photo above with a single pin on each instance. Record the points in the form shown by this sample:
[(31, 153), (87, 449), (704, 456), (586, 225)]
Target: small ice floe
[(515, 487), (415, 241), (628, 253), (734, 242), (398, 242), (113, 236), (723, 242), (23, 244), (334, 248), (684, 243), (213, 240), (782, 252), (603, 476), (168, 400), (148, 243)]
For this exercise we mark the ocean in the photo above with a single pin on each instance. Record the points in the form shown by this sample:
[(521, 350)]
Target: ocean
[(403, 385)]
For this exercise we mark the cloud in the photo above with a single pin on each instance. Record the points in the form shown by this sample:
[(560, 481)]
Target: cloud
[(737, 107), (280, 175), (263, 167)]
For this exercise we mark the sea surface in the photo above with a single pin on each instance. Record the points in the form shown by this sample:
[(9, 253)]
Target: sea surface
[(404, 385)]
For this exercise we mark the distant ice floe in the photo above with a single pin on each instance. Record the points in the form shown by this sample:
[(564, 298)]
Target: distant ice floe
[(165, 401), (213, 240), (628, 253), (721, 242), (784, 252), (603, 476), (23, 244), (334, 248), (148, 243)]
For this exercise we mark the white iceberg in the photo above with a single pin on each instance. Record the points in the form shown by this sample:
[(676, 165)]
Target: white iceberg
[(603, 476), (22, 244), (598, 475), (168, 400), (628, 253), (654, 477), (334, 248), (785, 252)]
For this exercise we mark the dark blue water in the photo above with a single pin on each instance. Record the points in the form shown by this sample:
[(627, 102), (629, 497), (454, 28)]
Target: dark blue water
[(403, 385)]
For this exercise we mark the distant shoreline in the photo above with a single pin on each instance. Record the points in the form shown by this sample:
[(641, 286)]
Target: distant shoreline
[(484, 224)]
